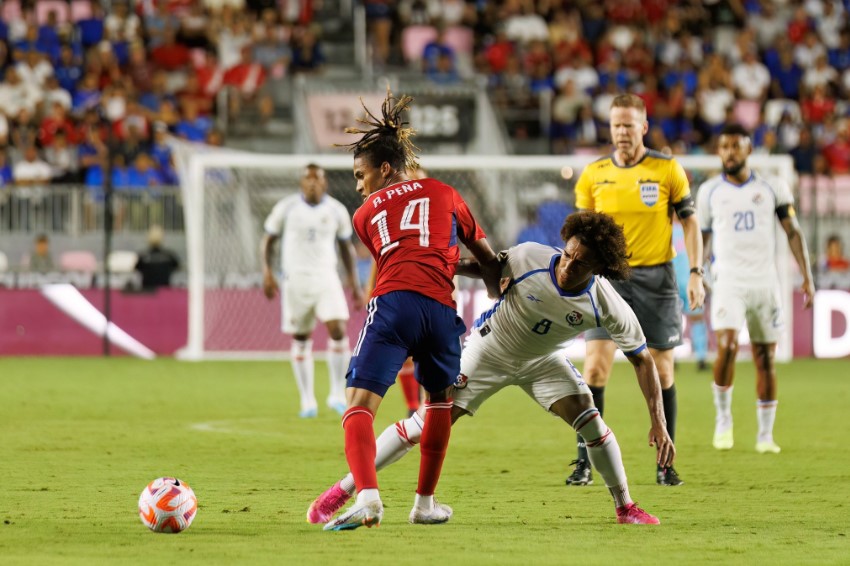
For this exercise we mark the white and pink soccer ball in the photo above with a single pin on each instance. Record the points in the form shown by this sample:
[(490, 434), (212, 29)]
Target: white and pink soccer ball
[(167, 505)]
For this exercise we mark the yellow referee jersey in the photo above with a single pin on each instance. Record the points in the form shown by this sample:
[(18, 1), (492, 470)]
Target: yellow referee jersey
[(640, 198)]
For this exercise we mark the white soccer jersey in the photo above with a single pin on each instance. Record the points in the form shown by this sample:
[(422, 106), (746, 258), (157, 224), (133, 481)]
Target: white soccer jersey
[(535, 317), (742, 220), (310, 233)]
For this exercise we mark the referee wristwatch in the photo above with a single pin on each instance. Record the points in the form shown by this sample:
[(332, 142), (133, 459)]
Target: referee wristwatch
[(698, 271)]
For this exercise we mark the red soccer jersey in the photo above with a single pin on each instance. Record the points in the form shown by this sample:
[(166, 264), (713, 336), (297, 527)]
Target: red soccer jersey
[(412, 229)]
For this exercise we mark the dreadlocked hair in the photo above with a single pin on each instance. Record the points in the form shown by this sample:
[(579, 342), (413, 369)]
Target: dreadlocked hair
[(388, 138), (604, 237)]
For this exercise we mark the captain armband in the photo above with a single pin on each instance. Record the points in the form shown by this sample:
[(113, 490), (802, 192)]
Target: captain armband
[(784, 211), (685, 207)]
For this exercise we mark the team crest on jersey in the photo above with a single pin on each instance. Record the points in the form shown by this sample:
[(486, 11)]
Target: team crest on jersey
[(461, 381), (574, 318), (649, 192), (757, 198)]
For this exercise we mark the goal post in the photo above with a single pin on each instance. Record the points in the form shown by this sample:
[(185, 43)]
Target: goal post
[(227, 195)]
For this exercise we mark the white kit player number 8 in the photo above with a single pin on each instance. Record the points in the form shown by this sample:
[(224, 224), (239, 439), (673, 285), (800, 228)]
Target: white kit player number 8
[(406, 223)]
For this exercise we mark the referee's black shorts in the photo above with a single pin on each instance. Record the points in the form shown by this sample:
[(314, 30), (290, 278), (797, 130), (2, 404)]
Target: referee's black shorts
[(653, 294)]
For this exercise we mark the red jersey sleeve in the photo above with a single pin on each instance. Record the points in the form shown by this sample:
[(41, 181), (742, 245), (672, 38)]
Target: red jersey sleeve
[(468, 229)]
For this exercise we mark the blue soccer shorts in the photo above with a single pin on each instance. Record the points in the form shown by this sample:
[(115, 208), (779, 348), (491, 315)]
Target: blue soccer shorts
[(401, 324)]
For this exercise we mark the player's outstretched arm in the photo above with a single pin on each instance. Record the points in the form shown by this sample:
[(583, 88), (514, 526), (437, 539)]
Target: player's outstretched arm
[(647, 376), (488, 264), (269, 281), (797, 243)]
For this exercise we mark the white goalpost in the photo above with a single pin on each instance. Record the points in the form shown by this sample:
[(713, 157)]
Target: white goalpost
[(227, 195)]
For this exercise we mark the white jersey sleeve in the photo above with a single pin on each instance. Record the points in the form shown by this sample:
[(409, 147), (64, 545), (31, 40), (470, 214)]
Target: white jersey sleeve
[(782, 191), (276, 220), (704, 206), (618, 318), (344, 230)]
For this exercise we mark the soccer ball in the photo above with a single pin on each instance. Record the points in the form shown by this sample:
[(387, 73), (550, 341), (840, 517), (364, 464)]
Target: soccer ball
[(167, 505)]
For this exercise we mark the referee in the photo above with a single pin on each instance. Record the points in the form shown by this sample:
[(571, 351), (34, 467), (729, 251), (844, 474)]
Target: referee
[(641, 188)]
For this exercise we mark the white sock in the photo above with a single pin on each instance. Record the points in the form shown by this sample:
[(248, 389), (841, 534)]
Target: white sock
[(766, 412), (302, 367), (604, 453), (723, 405), (396, 441), (367, 495), (338, 358), (424, 502)]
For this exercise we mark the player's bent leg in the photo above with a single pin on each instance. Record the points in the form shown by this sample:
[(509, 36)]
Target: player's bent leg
[(764, 358), (597, 369), (722, 388), (604, 453)]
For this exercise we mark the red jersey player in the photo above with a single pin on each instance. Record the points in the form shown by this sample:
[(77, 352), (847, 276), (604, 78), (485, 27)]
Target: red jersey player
[(412, 228)]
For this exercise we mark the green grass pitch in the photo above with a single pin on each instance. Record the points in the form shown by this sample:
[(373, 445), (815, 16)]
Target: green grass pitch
[(80, 438)]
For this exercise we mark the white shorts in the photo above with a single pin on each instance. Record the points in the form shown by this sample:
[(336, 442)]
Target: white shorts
[(308, 299), (759, 307), (545, 380)]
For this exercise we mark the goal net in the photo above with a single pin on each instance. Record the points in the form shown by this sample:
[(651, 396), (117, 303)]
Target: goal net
[(228, 194)]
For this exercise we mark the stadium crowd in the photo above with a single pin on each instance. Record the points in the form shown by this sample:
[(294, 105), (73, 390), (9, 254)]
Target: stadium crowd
[(76, 76), (781, 68)]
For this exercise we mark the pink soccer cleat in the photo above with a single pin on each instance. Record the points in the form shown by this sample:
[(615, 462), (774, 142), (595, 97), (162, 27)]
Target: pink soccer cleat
[(326, 505), (631, 514)]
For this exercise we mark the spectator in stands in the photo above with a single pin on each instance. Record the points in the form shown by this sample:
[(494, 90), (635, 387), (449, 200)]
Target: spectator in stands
[(379, 21), (63, 159), (837, 153), (158, 22), (41, 260), (122, 25), (786, 75), (193, 27), (53, 93), (522, 23), (751, 78), (805, 152), (434, 49), (192, 126), (839, 58), (835, 260), (821, 74), (230, 40), (6, 177), (91, 28), (31, 170), (16, 94), (170, 55), (68, 70), (272, 52), (247, 80), (445, 72), (156, 264), (87, 95), (143, 173), (140, 69), (307, 56)]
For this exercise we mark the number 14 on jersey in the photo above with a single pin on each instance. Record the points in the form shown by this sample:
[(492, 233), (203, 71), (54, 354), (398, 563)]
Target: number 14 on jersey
[(414, 217)]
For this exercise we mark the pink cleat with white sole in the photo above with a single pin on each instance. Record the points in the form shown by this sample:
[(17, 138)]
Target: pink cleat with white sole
[(631, 514), (326, 505)]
